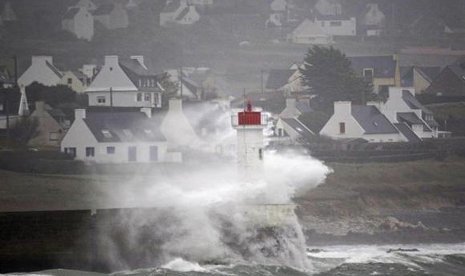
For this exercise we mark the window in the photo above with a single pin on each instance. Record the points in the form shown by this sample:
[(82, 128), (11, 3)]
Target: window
[(260, 154), (110, 150), (101, 99), (147, 97), (368, 73), (70, 81), (71, 151), (53, 136), (90, 152), (132, 154), (335, 23), (342, 128), (139, 97), (106, 133)]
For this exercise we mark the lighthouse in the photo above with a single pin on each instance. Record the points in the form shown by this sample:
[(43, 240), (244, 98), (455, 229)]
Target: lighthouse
[(249, 125)]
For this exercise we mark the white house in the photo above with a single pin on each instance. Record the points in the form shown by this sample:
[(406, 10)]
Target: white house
[(309, 32), (112, 16), (329, 7), (116, 137), (8, 14), (187, 88), (80, 22), (295, 108), (402, 107), (86, 4), (373, 20), (74, 80), (357, 121), (42, 71), (127, 83), (293, 130), (179, 12), (337, 25)]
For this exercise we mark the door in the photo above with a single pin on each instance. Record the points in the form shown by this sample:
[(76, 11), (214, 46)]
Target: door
[(153, 153), (132, 154)]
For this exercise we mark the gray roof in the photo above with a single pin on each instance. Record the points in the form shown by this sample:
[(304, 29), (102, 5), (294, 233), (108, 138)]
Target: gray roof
[(409, 117), (54, 69), (383, 66), (278, 78), (458, 70), (372, 120), (303, 107), (428, 73), (182, 14), (104, 9), (413, 103), (407, 132), (139, 127), (71, 13), (299, 127), (135, 71)]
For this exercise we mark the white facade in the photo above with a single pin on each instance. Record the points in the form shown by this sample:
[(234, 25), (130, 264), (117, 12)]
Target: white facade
[(329, 7), (79, 137), (42, 71), (81, 24), (374, 16), (338, 27), (343, 125), (124, 98), (308, 32), (72, 81), (117, 18), (112, 76), (184, 14), (86, 4)]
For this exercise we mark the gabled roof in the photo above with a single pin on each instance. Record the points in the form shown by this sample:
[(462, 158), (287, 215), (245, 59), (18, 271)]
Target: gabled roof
[(303, 107), (104, 9), (123, 126), (54, 69), (71, 13), (407, 132), (458, 70), (171, 6), (299, 127), (182, 14), (191, 85), (413, 103), (277, 78), (428, 73), (309, 28), (409, 117), (329, 17), (372, 120), (383, 66)]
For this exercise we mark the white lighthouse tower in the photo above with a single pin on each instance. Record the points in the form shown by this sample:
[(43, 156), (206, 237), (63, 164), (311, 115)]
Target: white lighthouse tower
[(249, 125)]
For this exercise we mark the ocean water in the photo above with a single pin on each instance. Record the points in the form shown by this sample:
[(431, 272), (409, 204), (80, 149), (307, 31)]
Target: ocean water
[(431, 259)]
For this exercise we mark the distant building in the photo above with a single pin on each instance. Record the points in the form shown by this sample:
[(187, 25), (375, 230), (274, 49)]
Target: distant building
[(126, 83), (6, 79), (51, 127), (329, 7), (309, 32), (42, 71), (450, 82), (80, 22), (373, 21), (86, 4), (8, 14), (337, 25), (419, 77), (294, 108), (112, 16), (117, 137), (179, 12), (187, 88), (74, 80), (382, 71), (288, 81)]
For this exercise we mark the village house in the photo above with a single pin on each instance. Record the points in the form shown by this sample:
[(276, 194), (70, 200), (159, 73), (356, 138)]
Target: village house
[(80, 22), (401, 107), (337, 25), (112, 16), (42, 71), (450, 82), (309, 32), (328, 7), (288, 81), (382, 71), (419, 77), (117, 137), (126, 83), (188, 89), (359, 121), (179, 12), (288, 125), (74, 80), (51, 128), (6, 79), (373, 21), (8, 14)]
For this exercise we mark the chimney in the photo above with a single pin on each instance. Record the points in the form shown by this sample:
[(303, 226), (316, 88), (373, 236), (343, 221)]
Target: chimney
[(175, 105), (41, 59), (111, 61), (147, 111), (395, 92), (290, 102), (139, 59), (79, 114), (343, 108)]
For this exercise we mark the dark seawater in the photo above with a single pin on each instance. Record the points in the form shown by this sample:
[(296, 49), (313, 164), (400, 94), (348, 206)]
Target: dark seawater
[(433, 259)]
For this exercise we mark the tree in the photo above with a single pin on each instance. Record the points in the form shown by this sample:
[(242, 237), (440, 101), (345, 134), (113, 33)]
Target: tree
[(170, 88), (24, 130), (329, 75)]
